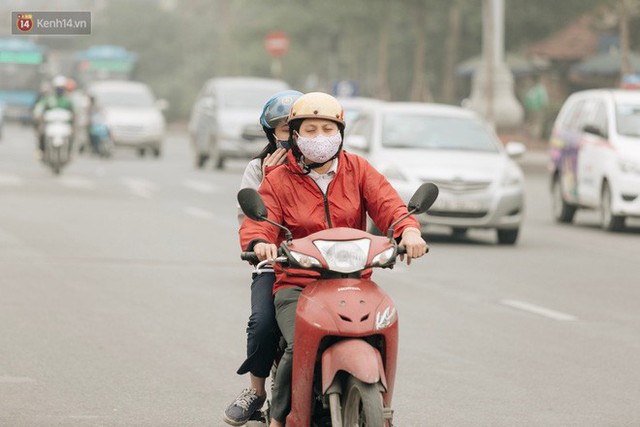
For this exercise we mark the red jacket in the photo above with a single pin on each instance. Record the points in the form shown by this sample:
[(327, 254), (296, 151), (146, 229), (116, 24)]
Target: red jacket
[(295, 200)]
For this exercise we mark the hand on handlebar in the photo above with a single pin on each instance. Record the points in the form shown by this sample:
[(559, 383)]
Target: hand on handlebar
[(413, 243), (266, 251)]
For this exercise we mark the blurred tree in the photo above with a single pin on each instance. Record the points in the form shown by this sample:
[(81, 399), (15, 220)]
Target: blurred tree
[(452, 43), (419, 89), (394, 49)]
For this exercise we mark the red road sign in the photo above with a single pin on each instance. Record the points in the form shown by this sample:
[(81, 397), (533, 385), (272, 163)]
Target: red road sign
[(276, 43)]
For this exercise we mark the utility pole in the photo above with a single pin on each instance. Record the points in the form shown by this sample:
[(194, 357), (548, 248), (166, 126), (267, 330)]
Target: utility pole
[(492, 87)]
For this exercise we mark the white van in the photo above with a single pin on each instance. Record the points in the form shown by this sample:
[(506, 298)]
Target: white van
[(595, 156)]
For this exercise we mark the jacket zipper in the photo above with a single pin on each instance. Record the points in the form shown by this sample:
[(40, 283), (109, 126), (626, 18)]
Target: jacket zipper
[(326, 201)]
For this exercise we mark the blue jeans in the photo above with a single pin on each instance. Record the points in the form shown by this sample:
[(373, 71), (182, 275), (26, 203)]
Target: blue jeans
[(262, 330)]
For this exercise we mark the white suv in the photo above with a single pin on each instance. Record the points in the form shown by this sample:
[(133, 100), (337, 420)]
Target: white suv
[(595, 153)]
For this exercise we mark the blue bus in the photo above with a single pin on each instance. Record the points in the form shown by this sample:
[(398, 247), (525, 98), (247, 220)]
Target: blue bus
[(103, 62), (22, 69)]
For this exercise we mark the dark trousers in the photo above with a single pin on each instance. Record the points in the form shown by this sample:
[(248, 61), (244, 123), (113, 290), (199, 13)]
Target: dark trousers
[(286, 302), (262, 330)]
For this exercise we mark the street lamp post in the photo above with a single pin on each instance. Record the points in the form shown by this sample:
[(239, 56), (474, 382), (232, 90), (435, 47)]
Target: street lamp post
[(492, 87)]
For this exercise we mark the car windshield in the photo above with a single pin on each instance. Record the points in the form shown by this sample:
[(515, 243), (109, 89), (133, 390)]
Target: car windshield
[(436, 133), (128, 98), (246, 97), (628, 119)]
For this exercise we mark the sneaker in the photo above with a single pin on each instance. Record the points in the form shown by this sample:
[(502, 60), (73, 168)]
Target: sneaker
[(241, 409)]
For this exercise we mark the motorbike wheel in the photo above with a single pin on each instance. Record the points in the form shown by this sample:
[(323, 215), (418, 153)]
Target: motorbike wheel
[(56, 161), (362, 404)]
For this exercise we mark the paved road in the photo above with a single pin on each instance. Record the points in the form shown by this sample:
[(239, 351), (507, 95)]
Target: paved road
[(123, 303)]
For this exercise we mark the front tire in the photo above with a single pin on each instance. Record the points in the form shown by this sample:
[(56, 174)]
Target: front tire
[(608, 220), (217, 161), (201, 160), (562, 211), (362, 404)]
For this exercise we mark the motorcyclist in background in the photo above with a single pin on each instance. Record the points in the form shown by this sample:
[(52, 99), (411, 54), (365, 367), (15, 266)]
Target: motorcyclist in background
[(262, 330), (57, 99)]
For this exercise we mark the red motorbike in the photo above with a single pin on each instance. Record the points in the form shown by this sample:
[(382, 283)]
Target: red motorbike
[(346, 335)]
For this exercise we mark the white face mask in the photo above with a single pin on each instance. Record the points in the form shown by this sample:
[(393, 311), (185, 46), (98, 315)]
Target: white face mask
[(319, 149)]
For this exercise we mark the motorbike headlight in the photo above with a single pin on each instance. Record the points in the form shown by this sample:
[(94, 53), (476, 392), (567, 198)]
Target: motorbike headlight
[(383, 257), (305, 260), (629, 166), (344, 256)]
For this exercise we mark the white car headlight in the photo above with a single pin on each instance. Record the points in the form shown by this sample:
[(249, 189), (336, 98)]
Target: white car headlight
[(344, 256), (383, 257), (305, 260), (629, 166), (512, 177)]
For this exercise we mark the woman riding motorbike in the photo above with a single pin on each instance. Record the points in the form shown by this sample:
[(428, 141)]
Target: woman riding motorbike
[(321, 187), (262, 330)]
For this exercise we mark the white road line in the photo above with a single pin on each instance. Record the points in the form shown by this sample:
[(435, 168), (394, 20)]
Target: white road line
[(139, 187), (199, 186), (10, 179), (15, 380), (77, 182), (535, 309), (198, 213)]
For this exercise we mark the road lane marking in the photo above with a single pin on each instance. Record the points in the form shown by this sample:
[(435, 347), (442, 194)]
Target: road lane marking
[(535, 309), (77, 182), (199, 186), (15, 380), (10, 179), (139, 187), (198, 213)]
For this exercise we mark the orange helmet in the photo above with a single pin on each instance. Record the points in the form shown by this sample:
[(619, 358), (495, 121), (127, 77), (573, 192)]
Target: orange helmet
[(317, 105)]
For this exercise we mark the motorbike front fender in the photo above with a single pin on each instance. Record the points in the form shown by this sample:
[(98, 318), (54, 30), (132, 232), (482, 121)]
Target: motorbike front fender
[(355, 356)]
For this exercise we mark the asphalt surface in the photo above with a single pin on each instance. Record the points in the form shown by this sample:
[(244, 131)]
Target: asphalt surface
[(123, 302)]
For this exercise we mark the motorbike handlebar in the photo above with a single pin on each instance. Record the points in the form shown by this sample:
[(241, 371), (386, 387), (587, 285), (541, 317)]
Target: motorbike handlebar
[(249, 256), (402, 250)]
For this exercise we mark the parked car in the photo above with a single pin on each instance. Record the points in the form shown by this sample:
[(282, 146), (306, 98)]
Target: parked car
[(225, 118), (132, 114), (411, 143), (595, 154)]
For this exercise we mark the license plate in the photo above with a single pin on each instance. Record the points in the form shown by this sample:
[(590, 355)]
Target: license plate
[(457, 205)]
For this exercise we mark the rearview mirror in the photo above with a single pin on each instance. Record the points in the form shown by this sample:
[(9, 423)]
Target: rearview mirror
[(252, 204), (515, 149), (595, 130), (162, 104), (423, 198)]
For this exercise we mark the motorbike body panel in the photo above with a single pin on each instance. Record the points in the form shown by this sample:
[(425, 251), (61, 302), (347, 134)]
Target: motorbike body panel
[(346, 309), (356, 357)]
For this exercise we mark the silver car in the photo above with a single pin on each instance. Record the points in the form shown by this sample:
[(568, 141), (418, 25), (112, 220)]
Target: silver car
[(132, 114), (411, 143), (225, 118)]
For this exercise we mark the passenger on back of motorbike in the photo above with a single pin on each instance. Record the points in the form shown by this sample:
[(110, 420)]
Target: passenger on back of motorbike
[(262, 330), (321, 187)]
